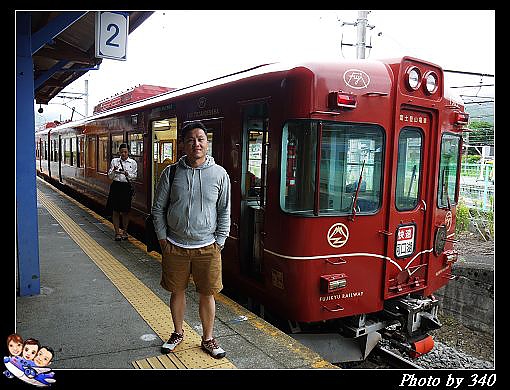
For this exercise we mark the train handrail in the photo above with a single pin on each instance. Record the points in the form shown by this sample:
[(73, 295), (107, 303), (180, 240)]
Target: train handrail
[(342, 261)]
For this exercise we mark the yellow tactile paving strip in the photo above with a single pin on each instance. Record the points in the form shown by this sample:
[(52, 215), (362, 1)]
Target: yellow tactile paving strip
[(284, 340), (152, 309)]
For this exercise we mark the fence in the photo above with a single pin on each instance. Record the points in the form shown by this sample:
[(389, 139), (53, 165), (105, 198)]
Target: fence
[(477, 186)]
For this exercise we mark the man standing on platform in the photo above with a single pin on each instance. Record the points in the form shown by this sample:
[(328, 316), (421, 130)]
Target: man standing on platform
[(192, 223)]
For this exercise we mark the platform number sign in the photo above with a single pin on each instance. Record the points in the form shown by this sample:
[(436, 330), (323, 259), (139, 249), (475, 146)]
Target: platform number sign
[(405, 240), (112, 30)]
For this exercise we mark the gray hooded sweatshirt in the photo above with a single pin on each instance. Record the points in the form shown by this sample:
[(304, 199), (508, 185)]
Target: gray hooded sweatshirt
[(199, 209)]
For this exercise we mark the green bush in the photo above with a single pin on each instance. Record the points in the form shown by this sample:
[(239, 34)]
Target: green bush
[(462, 218)]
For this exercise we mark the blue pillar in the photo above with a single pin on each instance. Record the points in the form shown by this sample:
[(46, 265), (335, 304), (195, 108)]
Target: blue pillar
[(26, 190)]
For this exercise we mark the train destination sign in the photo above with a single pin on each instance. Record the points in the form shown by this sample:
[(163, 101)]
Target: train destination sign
[(111, 35), (405, 240)]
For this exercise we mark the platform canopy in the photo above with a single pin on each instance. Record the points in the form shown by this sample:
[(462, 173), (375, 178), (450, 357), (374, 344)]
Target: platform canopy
[(61, 60)]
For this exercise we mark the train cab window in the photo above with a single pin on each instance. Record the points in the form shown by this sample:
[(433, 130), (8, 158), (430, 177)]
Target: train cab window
[(408, 169), (350, 154), (448, 166), (102, 158)]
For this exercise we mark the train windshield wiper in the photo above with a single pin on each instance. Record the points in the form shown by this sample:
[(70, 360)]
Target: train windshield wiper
[(355, 199)]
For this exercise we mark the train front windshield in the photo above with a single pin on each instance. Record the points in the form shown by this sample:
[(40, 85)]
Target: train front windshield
[(350, 154)]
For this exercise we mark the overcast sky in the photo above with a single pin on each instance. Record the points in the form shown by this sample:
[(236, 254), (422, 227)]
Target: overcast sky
[(176, 48)]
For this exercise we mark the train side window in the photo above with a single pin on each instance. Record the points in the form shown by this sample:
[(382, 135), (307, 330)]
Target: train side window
[(299, 150), (135, 142), (66, 147), (117, 139), (102, 158), (91, 152), (80, 148), (448, 167), (74, 148), (409, 162)]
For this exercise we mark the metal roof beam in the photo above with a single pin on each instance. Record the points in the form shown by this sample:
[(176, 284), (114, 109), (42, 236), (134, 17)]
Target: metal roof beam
[(47, 74), (53, 28)]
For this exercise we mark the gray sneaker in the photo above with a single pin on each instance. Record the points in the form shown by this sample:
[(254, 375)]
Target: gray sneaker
[(174, 340), (212, 348)]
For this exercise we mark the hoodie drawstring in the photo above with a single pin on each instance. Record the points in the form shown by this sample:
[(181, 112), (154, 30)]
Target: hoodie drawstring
[(201, 193)]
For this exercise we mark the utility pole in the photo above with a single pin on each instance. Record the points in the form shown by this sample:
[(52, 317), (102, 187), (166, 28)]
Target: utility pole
[(362, 34), (361, 26), (86, 97)]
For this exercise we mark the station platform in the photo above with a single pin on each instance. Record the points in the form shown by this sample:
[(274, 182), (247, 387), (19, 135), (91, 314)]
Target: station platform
[(101, 305)]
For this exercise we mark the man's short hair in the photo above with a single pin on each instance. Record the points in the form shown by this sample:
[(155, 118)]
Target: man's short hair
[(190, 126)]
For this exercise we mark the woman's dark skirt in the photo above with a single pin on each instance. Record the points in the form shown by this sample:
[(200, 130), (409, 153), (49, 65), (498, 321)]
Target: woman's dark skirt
[(119, 198)]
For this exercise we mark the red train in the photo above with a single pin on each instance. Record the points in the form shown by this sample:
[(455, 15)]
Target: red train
[(345, 180)]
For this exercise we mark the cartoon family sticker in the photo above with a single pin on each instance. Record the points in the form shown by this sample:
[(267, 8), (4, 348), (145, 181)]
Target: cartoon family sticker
[(29, 361)]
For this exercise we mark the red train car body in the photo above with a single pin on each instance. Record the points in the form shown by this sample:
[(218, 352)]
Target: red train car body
[(345, 180)]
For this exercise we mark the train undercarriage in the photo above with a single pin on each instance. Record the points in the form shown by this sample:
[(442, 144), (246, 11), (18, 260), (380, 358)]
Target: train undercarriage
[(405, 322)]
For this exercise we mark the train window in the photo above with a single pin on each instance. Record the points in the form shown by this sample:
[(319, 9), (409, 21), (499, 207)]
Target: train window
[(255, 145), (91, 152), (135, 141), (448, 166), (117, 139), (67, 148), (210, 137), (55, 150), (299, 150), (350, 152), (81, 155), (102, 158), (408, 169), (74, 150)]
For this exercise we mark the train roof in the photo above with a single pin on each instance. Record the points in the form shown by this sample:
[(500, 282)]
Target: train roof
[(243, 74)]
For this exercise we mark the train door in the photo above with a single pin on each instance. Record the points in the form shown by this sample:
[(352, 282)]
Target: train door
[(253, 188), (164, 148), (408, 227)]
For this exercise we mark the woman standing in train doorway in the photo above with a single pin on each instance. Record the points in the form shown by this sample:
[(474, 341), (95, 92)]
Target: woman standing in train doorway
[(122, 170)]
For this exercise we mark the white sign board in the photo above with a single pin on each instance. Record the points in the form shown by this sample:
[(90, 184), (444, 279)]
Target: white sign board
[(112, 29), (405, 241)]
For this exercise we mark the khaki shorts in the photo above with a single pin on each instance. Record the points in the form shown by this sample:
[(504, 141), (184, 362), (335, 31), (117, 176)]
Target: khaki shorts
[(203, 263)]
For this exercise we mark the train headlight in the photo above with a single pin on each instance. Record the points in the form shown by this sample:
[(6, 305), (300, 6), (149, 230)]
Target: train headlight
[(330, 283), (413, 78), (431, 82)]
